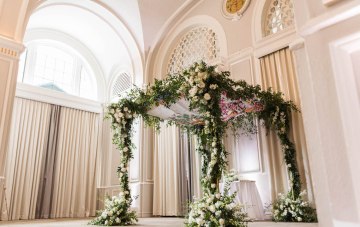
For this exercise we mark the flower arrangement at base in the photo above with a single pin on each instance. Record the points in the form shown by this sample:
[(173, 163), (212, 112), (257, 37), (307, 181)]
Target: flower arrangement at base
[(217, 209), (288, 208), (117, 212)]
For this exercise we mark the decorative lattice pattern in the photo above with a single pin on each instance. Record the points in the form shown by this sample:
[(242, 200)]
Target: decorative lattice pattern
[(279, 16), (122, 83), (200, 43)]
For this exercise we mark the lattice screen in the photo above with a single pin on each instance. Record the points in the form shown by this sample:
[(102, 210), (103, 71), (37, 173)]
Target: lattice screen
[(200, 43), (279, 16), (122, 83)]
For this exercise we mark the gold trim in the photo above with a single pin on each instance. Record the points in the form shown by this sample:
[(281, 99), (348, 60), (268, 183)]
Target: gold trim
[(8, 52)]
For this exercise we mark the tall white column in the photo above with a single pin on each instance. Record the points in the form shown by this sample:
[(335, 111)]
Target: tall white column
[(9, 58)]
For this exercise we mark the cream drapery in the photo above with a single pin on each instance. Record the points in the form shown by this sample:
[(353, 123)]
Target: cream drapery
[(167, 172), (51, 164), (74, 192), (27, 147), (278, 72)]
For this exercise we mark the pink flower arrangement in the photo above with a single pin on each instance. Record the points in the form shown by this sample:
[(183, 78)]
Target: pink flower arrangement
[(234, 108)]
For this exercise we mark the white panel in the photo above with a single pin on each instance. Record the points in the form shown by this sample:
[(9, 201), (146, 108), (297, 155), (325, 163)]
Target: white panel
[(247, 154), (242, 70)]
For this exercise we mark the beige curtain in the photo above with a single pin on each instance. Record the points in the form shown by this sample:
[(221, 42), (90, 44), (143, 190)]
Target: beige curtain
[(167, 172), (46, 187), (278, 72), (51, 163), (27, 147), (74, 192)]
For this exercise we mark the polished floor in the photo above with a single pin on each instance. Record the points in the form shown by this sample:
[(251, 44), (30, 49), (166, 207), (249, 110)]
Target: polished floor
[(173, 222)]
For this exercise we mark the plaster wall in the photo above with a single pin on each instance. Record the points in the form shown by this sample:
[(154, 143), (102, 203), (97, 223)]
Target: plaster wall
[(325, 86)]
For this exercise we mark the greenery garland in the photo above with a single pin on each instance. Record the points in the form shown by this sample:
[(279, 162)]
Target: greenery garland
[(220, 103)]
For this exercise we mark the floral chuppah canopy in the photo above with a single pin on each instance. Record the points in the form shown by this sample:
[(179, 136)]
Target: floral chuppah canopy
[(215, 103)]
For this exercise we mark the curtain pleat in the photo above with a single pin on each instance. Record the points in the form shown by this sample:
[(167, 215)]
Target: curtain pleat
[(74, 192), (51, 163), (43, 207), (278, 72), (26, 150), (167, 172)]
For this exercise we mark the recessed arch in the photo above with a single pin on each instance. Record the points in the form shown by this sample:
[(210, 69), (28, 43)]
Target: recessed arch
[(90, 60), (105, 14), (176, 33)]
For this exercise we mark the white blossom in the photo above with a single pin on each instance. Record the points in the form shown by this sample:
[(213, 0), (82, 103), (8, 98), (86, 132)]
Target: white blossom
[(213, 86), (221, 221), (207, 96)]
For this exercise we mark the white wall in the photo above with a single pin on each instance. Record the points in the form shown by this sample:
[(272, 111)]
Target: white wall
[(326, 86)]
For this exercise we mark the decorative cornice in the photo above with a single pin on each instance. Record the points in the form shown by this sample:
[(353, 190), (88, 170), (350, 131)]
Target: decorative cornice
[(331, 17), (297, 44), (10, 48)]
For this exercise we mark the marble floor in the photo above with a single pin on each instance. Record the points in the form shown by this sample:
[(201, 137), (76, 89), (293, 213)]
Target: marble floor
[(173, 222)]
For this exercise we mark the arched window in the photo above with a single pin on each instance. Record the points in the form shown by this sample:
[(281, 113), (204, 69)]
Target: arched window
[(121, 84), (278, 16), (200, 43), (56, 66)]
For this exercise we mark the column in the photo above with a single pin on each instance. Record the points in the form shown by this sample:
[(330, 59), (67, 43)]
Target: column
[(9, 57)]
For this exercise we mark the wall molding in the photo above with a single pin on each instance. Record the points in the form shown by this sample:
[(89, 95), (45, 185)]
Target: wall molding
[(10, 48), (57, 98), (275, 42), (333, 16)]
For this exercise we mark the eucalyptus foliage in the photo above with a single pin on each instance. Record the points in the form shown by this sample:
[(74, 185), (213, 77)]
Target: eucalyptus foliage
[(220, 103)]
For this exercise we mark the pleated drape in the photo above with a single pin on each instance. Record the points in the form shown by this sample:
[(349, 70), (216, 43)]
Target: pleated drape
[(51, 163), (46, 188), (278, 72), (74, 193), (168, 175), (27, 147)]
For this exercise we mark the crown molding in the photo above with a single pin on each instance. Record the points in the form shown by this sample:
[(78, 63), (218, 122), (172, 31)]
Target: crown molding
[(10, 48)]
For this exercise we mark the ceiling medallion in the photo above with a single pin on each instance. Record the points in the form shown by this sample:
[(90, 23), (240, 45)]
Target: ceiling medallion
[(234, 9)]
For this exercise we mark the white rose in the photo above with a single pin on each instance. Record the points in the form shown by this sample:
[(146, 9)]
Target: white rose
[(209, 200), (126, 192), (218, 195), (213, 185), (112, 111), (218, 204), (199, 221), (120, 114), (193, 91), (125, 149), (110, 213), (126, 109), (207, 96), (221, 221), (213, 144), (299, 219), (106, 222), (218, 213), (117, 220), (212, 208), (104, 215), (201, 84), (123, 169), (213, 86)]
